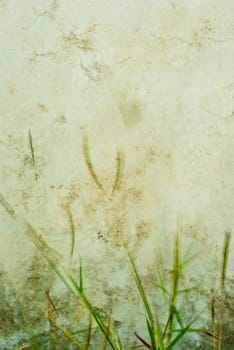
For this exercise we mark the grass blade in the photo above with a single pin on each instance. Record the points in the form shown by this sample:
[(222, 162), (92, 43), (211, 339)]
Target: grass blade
[(174, 293), (141, 290), (30, 139), (88, 339), (71, 337), (222, 285), (213, 316), (105, 342), (150, 327), (153, 325), (72, 230), (147, 345), (177, 316), (89, 163), (118, 171), (81, 279), (31, 147), (182, 332)]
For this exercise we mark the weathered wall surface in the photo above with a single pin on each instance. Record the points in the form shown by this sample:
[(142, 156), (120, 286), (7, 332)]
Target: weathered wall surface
[(148, 80)]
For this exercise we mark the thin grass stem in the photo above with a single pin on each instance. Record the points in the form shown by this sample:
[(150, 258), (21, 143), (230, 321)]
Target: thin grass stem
[(222, 285)]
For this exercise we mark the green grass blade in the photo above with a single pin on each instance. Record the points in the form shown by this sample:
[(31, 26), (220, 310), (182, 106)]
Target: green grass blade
[(31, 147), (226, 247), (141, 290), (188, 261), (174, 292), (30, 139), (88, 338), (89, 163), (160, 268), (117, 339), (151, 335), (186, 290), (105, 342), (177, 316), (119, 167), (71, 337), (182, 332), (163, 289), (153, 325), (213, 316), (159, 336), (72, 230), (81, 279)]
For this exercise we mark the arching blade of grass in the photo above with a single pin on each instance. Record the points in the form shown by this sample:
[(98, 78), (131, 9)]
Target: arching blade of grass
[(120, 161), (89, 163), (30, 232), (163, 289)]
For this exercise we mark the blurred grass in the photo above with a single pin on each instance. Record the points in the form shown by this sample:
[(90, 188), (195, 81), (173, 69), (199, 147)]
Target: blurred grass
[(91, 168)]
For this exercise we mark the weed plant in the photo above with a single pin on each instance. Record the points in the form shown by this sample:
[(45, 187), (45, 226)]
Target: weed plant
[(162, 336)]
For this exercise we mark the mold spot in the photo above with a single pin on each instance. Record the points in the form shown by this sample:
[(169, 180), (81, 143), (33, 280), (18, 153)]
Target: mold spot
[(130, 111), (43, 108)]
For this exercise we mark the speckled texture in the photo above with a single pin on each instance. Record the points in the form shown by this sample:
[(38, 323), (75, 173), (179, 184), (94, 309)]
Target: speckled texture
[(149, 80)]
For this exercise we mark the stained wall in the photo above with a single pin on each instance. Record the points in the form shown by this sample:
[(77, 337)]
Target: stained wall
[(144, 89)]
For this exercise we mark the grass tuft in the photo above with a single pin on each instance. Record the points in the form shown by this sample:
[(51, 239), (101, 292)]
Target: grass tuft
[(162, 335)]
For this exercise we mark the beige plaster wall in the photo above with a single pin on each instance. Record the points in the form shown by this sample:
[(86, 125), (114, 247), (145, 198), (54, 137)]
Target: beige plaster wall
[(152, 80)]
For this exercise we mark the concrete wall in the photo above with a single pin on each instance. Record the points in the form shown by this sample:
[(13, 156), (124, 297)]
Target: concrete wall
[(148, 80)]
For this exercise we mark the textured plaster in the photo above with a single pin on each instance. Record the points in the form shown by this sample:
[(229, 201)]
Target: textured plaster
[(149, 80)]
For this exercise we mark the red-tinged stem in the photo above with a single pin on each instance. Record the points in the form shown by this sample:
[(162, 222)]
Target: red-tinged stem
[(211, 335), (147, 345)]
